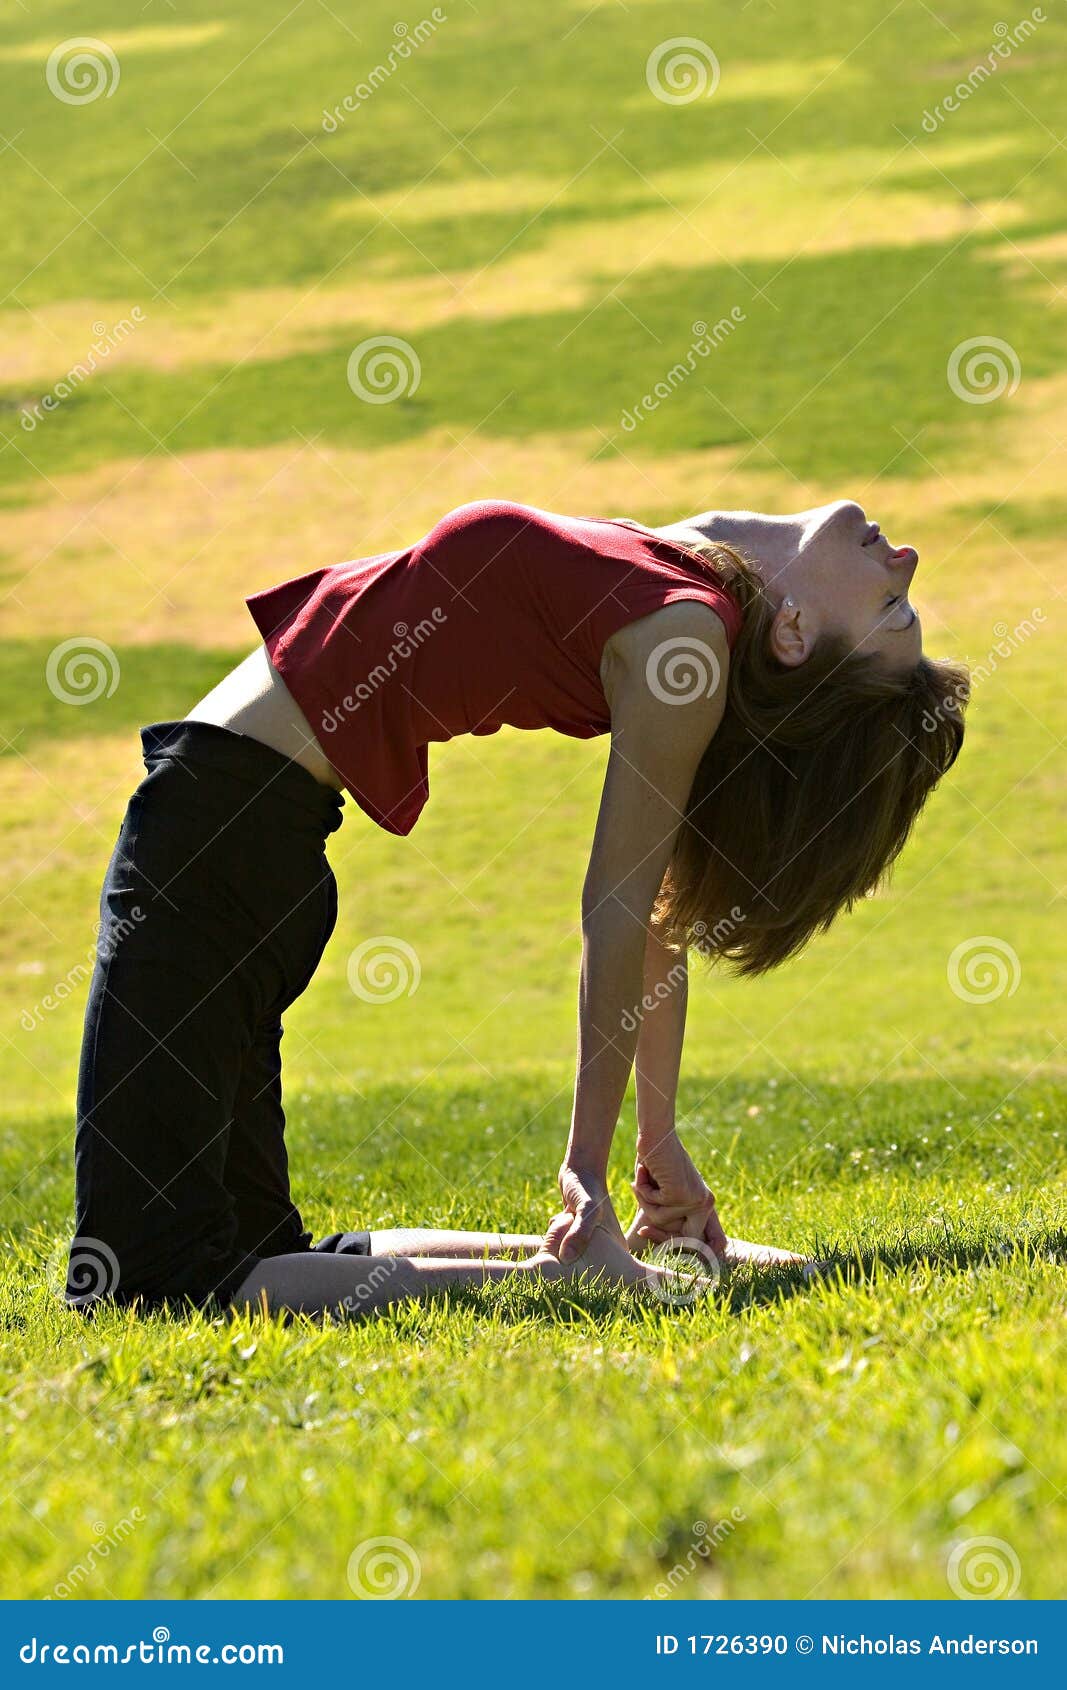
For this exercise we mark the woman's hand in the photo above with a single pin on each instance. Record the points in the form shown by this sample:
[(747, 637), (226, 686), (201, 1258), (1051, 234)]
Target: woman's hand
[(674, 1200), (585, 1197)]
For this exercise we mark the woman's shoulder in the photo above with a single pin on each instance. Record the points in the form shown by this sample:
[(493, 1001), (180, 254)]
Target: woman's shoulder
[(671, 630), (677, 656)]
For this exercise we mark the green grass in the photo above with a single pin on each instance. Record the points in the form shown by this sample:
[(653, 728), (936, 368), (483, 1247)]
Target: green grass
[(530, 1443), (845, 1433)]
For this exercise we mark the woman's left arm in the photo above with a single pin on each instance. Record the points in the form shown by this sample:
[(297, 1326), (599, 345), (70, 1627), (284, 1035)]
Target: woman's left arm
[(657, 742), (672, 1196)]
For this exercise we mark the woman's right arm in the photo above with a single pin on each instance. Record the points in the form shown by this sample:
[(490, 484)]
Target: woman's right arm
[(660, 1037)]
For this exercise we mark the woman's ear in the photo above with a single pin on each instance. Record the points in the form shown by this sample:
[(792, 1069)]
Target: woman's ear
[(791, 636)]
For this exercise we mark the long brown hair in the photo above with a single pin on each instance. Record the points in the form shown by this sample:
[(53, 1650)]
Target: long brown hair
[(808, 791)]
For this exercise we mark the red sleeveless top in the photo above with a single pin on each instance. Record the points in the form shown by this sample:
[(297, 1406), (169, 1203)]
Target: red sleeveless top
[(498, 616)]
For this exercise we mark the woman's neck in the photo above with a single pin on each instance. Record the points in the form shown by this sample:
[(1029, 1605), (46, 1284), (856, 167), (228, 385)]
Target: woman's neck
[(769, 543)]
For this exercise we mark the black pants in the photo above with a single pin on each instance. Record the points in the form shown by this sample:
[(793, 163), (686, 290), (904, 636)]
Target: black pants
[(216, 908)]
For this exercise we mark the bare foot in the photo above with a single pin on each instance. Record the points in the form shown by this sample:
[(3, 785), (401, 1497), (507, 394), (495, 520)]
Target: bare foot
[(545, 1262), (606, 1254), (762, 1255), (607, 1260), (605, 1257)]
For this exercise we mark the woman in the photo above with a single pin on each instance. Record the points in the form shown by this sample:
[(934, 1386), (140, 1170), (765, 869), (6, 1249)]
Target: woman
[(775, 730)]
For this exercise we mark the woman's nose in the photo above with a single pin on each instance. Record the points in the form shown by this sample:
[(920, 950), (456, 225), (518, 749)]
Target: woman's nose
[(842, 509)]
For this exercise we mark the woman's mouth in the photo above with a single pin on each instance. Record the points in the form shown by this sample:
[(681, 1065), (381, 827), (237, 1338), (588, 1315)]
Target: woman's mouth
[(896, 553)]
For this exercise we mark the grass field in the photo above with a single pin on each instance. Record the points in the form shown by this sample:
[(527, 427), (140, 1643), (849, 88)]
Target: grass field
[(515, 202)]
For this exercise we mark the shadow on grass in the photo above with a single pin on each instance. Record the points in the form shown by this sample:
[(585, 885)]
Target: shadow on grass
[(752, 1286), (514, 376), (950, 1254), (529, 1302), (152, 683), (741, 1289)]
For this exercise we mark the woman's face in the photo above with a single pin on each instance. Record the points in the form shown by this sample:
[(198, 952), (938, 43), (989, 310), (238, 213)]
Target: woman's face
[(829, 572), (845, 578)]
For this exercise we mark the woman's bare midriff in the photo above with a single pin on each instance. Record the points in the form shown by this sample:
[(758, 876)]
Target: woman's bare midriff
[(254, 700)]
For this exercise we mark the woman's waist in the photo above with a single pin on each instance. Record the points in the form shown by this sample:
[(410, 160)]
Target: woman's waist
[(253, 700), (228, 790)]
